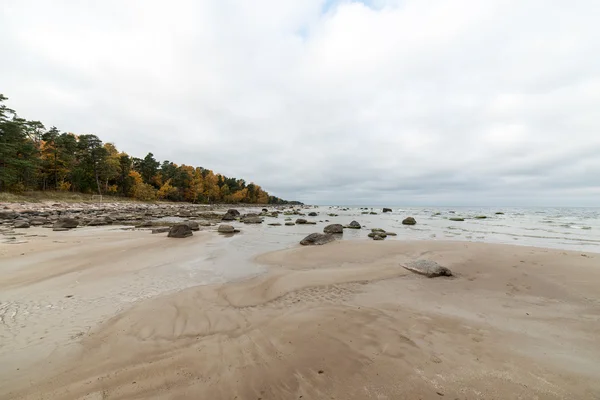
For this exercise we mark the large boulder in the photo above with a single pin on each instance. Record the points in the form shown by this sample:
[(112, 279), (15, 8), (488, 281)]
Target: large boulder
[(8, 215), (231, 215), (21, 223), (334, 228), (385, 210), (65, 223), (312, 214), (354, 225), (180, 231), (317, 239), (409, 221), (227, 229), (429, 268)]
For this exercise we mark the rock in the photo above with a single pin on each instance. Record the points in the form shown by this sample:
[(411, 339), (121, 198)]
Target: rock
[(21, 224), (332, 215), (180, 231), (252, 220), (301, 221), (456, 219), (204, 223), (364, 212), (499, 213), (231, 215), (430, 269), (409, 221), (227, 229), (312, 214), (65, 223), (385, 210), (334, 228), (162, 229), (373, 213), (378, 237), (290, 223), (265, 210), (193, 225), (381, 234), (60, 229), (38, 221), (354, 225), (8, 215), (317, 239), (481, 217), (375, 230), (98, 222), (275, 224), (311, 223)]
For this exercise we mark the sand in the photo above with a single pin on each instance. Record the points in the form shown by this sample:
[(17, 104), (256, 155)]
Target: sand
[(340, 321)]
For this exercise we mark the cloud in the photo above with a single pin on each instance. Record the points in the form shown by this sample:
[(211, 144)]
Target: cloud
[(397, 102)]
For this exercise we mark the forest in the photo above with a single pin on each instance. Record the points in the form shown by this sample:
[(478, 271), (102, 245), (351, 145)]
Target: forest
[(35, 158)]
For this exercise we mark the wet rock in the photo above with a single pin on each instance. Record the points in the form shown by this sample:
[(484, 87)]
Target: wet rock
[(385, 210), (162, 229), (317, 239), (193, 225), (381, 234), (312, 214), (429, 268), (456, 219), (311, 223), (275, 224), (409, 221), (265, 210), (378, 237), (290, 223), (180, 231), (231, 215), (499, 213), (301, 221), (354, 225), (65, 223), (21, 224), (8, 215), (227, 229), (334, 228), (373, 213), (481, 217)]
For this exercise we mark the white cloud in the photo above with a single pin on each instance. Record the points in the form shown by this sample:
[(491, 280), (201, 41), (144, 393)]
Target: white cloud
[(383, 101)]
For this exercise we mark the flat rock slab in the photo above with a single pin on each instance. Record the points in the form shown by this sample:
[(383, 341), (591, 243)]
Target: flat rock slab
[(429, 268)]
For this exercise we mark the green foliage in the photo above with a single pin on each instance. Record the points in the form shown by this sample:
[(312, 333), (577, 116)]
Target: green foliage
[(35, 158)]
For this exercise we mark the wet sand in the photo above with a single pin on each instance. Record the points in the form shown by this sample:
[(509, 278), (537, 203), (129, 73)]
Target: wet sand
[(340, 321)]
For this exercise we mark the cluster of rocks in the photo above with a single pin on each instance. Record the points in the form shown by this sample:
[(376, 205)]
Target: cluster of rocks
[(380, 234)]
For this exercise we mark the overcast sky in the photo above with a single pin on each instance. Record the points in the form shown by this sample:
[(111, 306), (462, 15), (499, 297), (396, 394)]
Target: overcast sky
[(399, 102)]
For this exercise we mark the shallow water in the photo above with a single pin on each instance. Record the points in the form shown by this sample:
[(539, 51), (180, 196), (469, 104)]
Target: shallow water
[(575, 229)]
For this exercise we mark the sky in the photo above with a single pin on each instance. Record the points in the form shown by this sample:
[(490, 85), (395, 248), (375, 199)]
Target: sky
[(399, 102)]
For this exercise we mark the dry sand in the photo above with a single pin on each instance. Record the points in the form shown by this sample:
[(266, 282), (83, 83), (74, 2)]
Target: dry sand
[(340, 321)]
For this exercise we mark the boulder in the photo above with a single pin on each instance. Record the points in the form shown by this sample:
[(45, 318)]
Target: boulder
[(456, 219), (499, 213), (275, 224), (373, 213), (430, 269), (162, 229), (65, 223), (231, 215), (290, 223), (227, 229), (38, 221), (301, 221), (354, 225), (21, 224), (378, 237), (193, 225), (180, 231), (8, 215), (317, 239), (265, 210), (252, 220), (385, 210), (381, 234), (334, 228), (312, 214), (409, 221), (311, 223), (481, 217)]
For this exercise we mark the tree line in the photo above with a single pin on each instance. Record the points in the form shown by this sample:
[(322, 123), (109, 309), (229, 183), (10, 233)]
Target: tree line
[(35, 158)]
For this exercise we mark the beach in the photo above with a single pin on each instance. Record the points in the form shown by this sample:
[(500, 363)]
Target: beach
[(116, 312), (342, 320)]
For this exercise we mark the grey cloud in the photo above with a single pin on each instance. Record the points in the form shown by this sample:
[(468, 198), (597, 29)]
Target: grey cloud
[(403, 102)]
